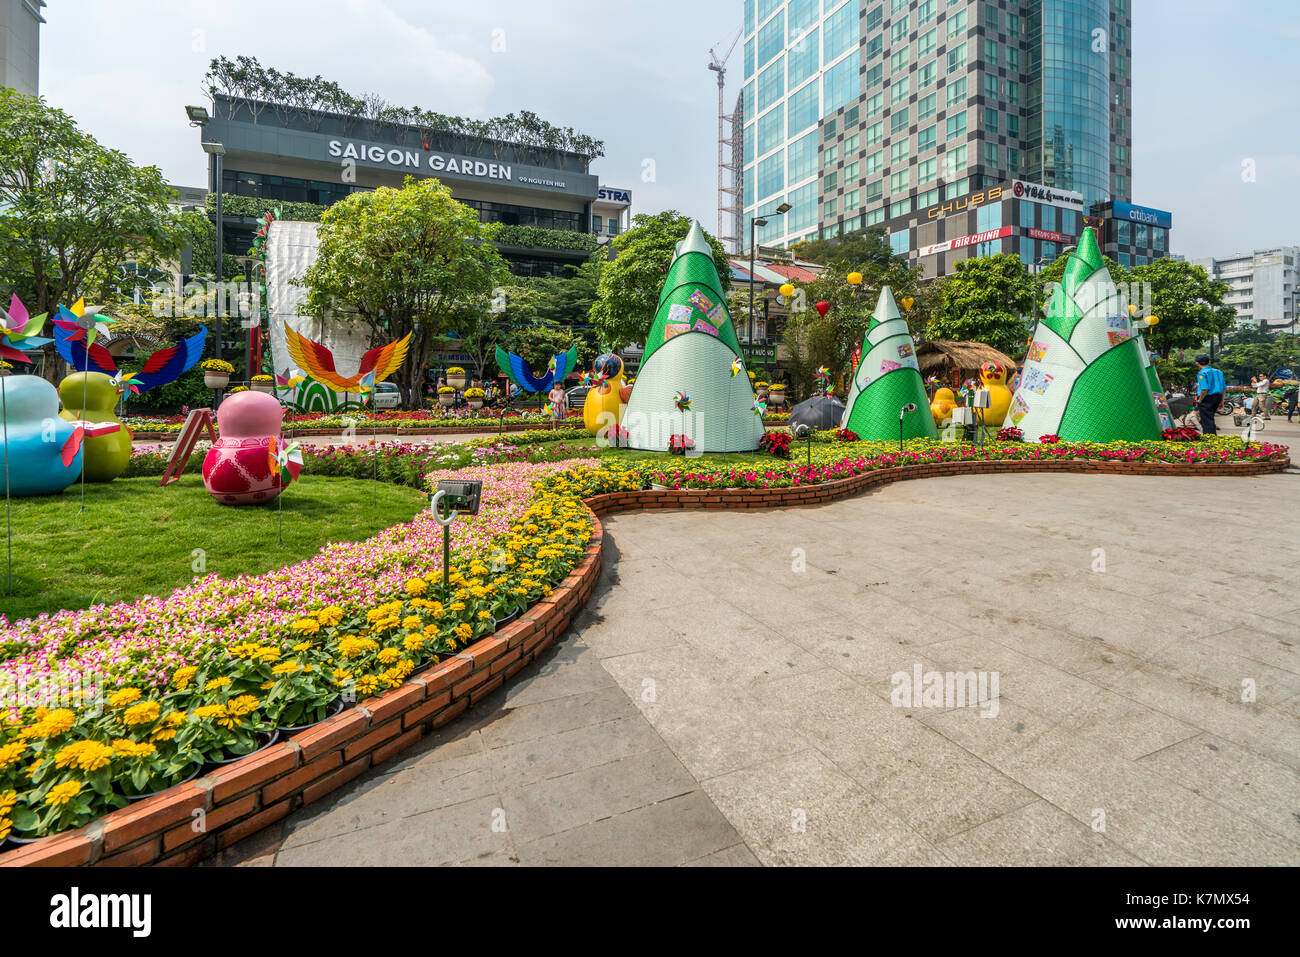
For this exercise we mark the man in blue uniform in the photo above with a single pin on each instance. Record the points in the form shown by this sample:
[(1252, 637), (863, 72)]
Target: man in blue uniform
[(1209, 394)]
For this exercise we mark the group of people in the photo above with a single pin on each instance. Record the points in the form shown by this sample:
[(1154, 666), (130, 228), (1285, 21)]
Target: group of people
[(1210, 386)]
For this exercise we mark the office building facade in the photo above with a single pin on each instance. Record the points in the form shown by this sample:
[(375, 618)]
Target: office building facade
[(878, 112), (20, 44), (299, 156), (1262, 285)]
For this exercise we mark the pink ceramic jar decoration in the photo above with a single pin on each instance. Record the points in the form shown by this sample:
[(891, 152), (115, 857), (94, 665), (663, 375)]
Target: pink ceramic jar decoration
[(237, 469)]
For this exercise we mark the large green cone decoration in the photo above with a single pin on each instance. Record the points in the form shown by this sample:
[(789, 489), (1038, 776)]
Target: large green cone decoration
[(887, 379), (690, 349), (1085, 376)]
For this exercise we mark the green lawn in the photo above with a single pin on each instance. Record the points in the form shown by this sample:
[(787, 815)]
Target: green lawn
[(138, 539)]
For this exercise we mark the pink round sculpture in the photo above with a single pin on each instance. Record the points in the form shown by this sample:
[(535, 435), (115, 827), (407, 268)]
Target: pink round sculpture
[(237, 469)]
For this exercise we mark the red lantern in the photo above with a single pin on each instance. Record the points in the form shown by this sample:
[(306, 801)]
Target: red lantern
[(822, 308)]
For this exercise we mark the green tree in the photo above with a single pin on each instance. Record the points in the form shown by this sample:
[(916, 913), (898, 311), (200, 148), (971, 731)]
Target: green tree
[(72, 211), (403, 261), (1188, 303), (1240, 361), (631, 269), (989, 299), (813, 340), (851, 250)]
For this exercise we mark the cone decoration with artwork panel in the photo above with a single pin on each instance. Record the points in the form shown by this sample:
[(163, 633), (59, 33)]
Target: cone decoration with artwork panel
[(886, 379)]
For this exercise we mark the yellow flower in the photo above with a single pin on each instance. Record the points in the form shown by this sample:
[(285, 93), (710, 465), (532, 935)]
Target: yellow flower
[(216, 683), (464, 632), (483, 615), (285, 668), (416, 586), (267, 685), (413, 642), (141, 713), (457, 606), (10, 753), (209, 711), (330, 616), (7, 801), (308, 626), (123, 697), (388, 656), (367, 685), (133, 749), (436, 609), (86, 755), (341, 677), (411, 621), (63, 793), (241, 705), (351, 647), (302, 646), (182, 677)]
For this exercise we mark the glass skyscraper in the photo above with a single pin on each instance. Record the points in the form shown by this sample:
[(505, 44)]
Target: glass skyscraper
[(862, 112)]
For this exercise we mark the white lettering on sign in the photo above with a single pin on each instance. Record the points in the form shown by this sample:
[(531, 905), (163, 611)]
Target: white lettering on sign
[(409, 159), (959, 243)]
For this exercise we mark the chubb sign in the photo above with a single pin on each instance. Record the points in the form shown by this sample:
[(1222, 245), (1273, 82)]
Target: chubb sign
[(411, 159)]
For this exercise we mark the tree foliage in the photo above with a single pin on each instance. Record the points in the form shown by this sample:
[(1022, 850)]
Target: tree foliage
[(989, 299), (1242, 360), (853, 251), (1188, 302), (629, 283), (402, 261)]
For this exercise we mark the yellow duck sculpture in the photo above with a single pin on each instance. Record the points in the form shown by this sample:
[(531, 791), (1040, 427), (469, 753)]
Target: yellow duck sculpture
[(942, 405), (604, 404), (994, 378)]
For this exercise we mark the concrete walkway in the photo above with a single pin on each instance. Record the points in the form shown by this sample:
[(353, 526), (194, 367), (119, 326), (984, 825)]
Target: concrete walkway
[(716, 705)]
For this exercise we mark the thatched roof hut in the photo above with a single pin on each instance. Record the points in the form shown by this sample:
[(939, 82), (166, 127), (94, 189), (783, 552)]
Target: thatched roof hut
[(955, 362)]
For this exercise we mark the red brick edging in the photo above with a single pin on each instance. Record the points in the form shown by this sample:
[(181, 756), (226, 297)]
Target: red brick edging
[(255, 792)]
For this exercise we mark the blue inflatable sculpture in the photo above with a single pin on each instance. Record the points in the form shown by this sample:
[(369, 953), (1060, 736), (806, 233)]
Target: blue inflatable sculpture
[(41, 452)]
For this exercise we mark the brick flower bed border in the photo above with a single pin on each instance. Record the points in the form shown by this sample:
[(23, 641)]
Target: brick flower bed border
[(255, 792)]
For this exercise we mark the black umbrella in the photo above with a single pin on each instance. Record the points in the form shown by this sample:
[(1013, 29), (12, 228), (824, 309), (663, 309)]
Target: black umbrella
[(820, 412)]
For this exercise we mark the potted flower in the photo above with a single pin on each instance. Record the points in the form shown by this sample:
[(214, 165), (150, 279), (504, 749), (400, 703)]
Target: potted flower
[(446, 396), (216, 373), (761, 388), (475, 398), (264, 383), (776, 394), (455, 377)]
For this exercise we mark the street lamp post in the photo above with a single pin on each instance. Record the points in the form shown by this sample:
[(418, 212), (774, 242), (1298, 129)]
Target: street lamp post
[(753, 249), (218, 150)]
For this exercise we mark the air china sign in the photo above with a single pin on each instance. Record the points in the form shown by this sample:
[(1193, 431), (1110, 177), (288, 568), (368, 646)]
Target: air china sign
[(961, 242), (434, 162)]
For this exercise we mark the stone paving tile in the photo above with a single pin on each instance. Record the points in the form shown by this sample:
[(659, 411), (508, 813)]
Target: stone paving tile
[(592, 794), (514, 725), (566, 751), (658, 835), (738, 855), (567, 667), (1036, 835)]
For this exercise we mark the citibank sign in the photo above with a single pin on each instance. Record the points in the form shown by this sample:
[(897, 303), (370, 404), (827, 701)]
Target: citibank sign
[(410, 159)]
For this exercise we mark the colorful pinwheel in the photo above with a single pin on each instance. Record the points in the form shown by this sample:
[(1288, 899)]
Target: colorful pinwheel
[(760, 407), (282, 456), (682, 401), (18, 331), (126, 382), (84, 322), (736, 367), (286, 381)]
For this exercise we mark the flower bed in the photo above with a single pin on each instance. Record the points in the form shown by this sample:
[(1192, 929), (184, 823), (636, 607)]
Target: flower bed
[(167, 685)]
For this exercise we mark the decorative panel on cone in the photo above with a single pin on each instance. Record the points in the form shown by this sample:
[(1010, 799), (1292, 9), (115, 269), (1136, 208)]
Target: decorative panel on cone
[(1084, 377), (887, 379), (692, 348)]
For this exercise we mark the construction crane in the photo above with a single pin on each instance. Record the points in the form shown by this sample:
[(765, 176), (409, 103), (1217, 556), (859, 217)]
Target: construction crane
[(729, 158)]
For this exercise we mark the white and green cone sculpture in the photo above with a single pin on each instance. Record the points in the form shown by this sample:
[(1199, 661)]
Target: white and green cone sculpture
[(887, 379), (1086, 377), (690, 349)]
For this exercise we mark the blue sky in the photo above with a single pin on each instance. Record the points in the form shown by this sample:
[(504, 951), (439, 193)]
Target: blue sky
[(1214, 87)]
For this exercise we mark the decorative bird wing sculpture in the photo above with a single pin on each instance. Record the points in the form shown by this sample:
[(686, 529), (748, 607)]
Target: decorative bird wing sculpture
[(80, 431), (557, 369), (382, 361), (166, 365), (70, 341), (18, 331)]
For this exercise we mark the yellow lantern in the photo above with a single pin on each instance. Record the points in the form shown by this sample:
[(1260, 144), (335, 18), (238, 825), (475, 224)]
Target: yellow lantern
[(855, 278), (787, 290), (1152, 320)]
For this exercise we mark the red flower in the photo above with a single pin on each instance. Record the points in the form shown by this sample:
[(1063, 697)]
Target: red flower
[(1049, 439)]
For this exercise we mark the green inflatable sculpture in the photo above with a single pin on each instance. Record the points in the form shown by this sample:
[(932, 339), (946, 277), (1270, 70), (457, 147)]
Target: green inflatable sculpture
[(887, 381), (92, 397)]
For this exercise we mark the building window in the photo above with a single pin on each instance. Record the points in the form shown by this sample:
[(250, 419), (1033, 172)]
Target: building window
[(873, 217), (991, 155), (1013, 124), (898, 61), (898, 182), (803, 14), (924, 12), (956, 24), (954, 161), (873, 77), (991, 51), (771, 39), (1013, 92), (830, 208), (804, 57), (926, 171), (1013, 59), (874, 161), (898, 121), (1159, 239), (874, 104), (988, 216), (1013, 25), (926, 43), (831, 181), (898, 242), (898, 30), (956, 92), (804, 109), (875, 16), (841, 31), (956, 125), (830, 155), (871, 192), (1013, 160), (850, 201), (771, 172), (802, 159), (840, 83), (957, 58), (926, 75), (959, 188), (771, 84), (991, 86), (990, 120), (899, 90), (925, 139), (595, 224), (875, 45), (851, 145), (1122, 233), (771, 129), (874, 134), (927, 105), (851, 174), (898, 152), (928, 198)]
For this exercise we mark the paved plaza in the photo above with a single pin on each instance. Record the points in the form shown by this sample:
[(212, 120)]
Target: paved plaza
[(713, 704)]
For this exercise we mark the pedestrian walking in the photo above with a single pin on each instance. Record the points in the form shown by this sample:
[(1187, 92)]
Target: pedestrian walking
[(559, 405), (1209, 393), (1261, 396), (1290, 397)]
